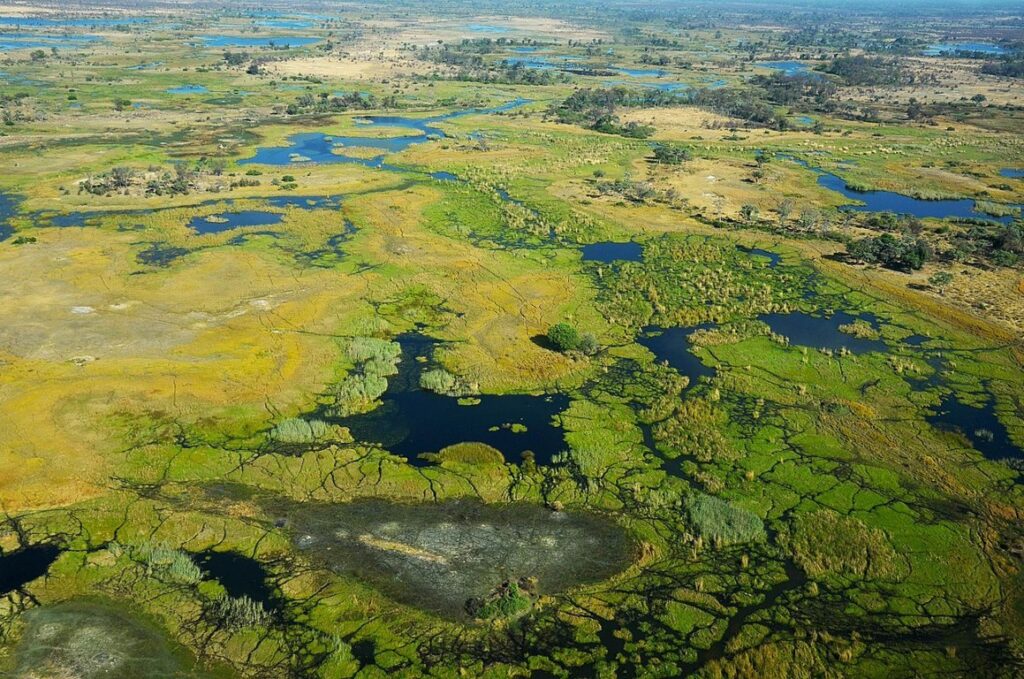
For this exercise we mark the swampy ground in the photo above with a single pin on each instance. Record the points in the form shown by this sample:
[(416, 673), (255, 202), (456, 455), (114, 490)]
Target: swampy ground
[(280, 390)]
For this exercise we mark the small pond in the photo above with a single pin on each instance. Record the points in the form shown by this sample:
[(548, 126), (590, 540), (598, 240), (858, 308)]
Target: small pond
[(609, 251), (226, 221), (187, 89), (981, 426), (438, 556), (790, 68), (8, 208), (1012, 173), (411, 420)]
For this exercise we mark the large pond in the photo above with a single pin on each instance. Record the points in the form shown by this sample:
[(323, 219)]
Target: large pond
[(89, 639), (438, 556), (898, 203), (411, 420), (824, 332), (21, 567), (318, 147), (240, 575)]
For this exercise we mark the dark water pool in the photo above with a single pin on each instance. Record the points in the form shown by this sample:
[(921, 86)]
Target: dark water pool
[(822, 332), (19, 568), (412, 421), (773, 257), (239, 575), (673, 345), (609, 251), (981, 426)]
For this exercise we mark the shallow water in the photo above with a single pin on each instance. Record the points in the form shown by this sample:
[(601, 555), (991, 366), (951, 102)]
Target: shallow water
[(609, 251), (241, 41), (952, 48), (14, 40), (88, 639), (436, 556), (1012, 173), (69, 22), (412, 420), (790, 68), (8, 208), (187, 89), (226, 221)]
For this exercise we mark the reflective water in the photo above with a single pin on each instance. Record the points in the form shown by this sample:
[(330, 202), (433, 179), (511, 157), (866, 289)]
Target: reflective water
[(980, 426), (898, 203), (226, 221), (318, 147), (610, 252), (187, 89), (673, 345), (269, 41), (954, 47), (822, 332)]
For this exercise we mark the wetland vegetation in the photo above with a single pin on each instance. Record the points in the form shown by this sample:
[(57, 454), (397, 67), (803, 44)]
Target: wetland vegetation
[(511, 340)]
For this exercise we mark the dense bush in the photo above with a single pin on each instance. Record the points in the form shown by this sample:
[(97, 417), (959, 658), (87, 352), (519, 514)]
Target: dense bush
[(723, 522), (905, 253)]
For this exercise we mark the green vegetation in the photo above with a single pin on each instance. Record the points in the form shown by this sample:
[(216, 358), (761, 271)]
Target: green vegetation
[(386, 414)]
